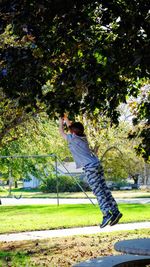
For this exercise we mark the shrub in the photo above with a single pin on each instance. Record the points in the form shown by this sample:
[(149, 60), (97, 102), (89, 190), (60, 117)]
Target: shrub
[(65, 184), (2, 189)]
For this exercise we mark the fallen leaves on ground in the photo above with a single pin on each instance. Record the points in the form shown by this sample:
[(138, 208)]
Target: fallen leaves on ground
[(65, 252)]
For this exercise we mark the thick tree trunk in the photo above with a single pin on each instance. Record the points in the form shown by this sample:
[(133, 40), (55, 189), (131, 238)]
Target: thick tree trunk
[(135, 178), (146, 175), (16, 184), (10, 181)]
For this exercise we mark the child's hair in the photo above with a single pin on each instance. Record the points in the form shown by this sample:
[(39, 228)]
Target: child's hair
[(77, 128)]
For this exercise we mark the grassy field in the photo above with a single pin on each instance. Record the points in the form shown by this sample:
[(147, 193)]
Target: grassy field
[(63, 252), (35, 193), (41, 217)]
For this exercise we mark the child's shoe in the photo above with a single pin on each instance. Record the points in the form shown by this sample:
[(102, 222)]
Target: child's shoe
[(106, 219), (115, 218)]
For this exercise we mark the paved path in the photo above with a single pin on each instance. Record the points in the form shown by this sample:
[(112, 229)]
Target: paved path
[(34, 235), (43, 201)]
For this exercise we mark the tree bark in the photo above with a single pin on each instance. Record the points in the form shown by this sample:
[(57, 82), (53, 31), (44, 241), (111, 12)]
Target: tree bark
[(16, 184), (146, 174)]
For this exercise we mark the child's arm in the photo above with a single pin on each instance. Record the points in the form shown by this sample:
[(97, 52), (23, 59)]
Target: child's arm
[(67, 121), (61, 128)]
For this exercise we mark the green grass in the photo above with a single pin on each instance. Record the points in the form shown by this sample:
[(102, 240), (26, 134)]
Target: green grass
[(35, 193), (41, 217), (17, 259)]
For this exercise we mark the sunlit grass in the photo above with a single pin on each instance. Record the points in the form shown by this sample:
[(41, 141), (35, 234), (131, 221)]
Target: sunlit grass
[(41, 217)]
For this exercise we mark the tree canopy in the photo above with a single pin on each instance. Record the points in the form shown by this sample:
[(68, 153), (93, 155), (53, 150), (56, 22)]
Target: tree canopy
[(72, 55)]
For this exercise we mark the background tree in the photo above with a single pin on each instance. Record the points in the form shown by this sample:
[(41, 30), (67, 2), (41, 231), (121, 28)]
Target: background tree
[(113, 147), (140, 108), (13, 118), (38, 136)]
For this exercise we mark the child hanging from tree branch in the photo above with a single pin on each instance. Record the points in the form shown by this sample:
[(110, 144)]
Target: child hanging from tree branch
[(84, 158)]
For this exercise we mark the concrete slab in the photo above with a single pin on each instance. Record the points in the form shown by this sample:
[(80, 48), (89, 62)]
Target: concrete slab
[(112, 261), (72, 232)]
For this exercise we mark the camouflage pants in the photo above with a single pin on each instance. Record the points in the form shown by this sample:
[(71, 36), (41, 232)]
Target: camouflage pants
[(96, 180)]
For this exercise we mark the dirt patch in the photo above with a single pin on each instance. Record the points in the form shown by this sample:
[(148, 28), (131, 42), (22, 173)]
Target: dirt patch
[(63, 252)]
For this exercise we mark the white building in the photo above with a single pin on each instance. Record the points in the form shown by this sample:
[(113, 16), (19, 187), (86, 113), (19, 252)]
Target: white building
[(67, 168), (31, 182)]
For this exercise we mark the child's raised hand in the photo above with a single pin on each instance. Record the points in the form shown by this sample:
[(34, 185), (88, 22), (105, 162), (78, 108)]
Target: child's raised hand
[(65, 116), (61, 120)]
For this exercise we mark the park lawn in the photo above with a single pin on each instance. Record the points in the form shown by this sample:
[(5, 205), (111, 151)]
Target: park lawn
[(35, 193), (63, 252), (42, 217)]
